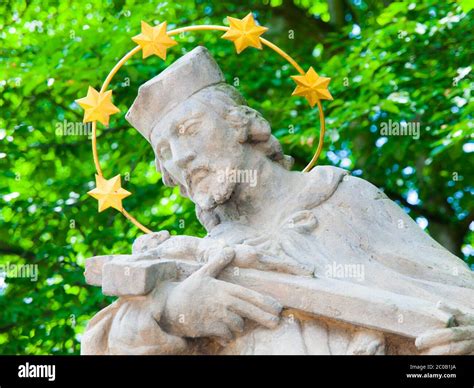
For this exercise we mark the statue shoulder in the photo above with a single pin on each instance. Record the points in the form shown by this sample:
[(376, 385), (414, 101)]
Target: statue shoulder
[(330, 178), (329, 175), (322, 182), (327, 181)]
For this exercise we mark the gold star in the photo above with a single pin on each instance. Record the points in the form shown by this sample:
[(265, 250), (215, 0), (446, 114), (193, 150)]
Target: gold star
[(312, 86), (97, 106), (154, 40), (244, 33), (109, 193)]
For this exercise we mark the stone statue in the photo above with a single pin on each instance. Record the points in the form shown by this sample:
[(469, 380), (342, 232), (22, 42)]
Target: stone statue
[(293, 263)]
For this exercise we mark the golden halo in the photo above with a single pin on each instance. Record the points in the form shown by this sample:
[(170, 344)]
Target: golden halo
[(244, 33)]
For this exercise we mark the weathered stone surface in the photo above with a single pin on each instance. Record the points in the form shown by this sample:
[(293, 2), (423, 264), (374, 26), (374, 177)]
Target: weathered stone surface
[(293, 263), (162, 93), (135, 278), (94, 266), (322, 297)]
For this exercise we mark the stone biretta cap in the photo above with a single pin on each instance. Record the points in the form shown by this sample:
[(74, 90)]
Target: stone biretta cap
[(189, 74)]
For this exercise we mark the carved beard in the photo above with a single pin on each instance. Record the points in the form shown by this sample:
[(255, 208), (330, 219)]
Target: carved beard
[(210, 192)]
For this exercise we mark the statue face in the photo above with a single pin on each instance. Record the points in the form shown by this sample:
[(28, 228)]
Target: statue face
[(195, 145)]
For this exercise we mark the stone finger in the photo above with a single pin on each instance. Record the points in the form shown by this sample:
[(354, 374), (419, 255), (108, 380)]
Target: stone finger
[(234, 322), (264, 302), (287, 266), (453, 348), (248, 310), (217, 264), (442, 336), (461, 317)]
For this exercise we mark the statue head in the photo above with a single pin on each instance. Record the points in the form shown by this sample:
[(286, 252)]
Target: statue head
[(201, 128)]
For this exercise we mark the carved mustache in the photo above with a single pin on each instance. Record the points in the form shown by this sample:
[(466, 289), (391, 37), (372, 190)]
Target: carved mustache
[(195, 175)]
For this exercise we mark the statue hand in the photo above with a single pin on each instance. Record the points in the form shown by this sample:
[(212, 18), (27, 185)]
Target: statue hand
[(452, 340), (149, 241), (202, 306), (247, 256)]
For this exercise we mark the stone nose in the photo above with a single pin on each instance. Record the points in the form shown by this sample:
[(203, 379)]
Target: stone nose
[(184, 160)]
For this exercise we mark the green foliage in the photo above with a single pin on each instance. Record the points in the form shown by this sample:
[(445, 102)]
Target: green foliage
[(406, 62)]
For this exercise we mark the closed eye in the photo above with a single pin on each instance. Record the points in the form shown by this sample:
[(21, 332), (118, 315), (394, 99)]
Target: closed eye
[(188, 129)]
